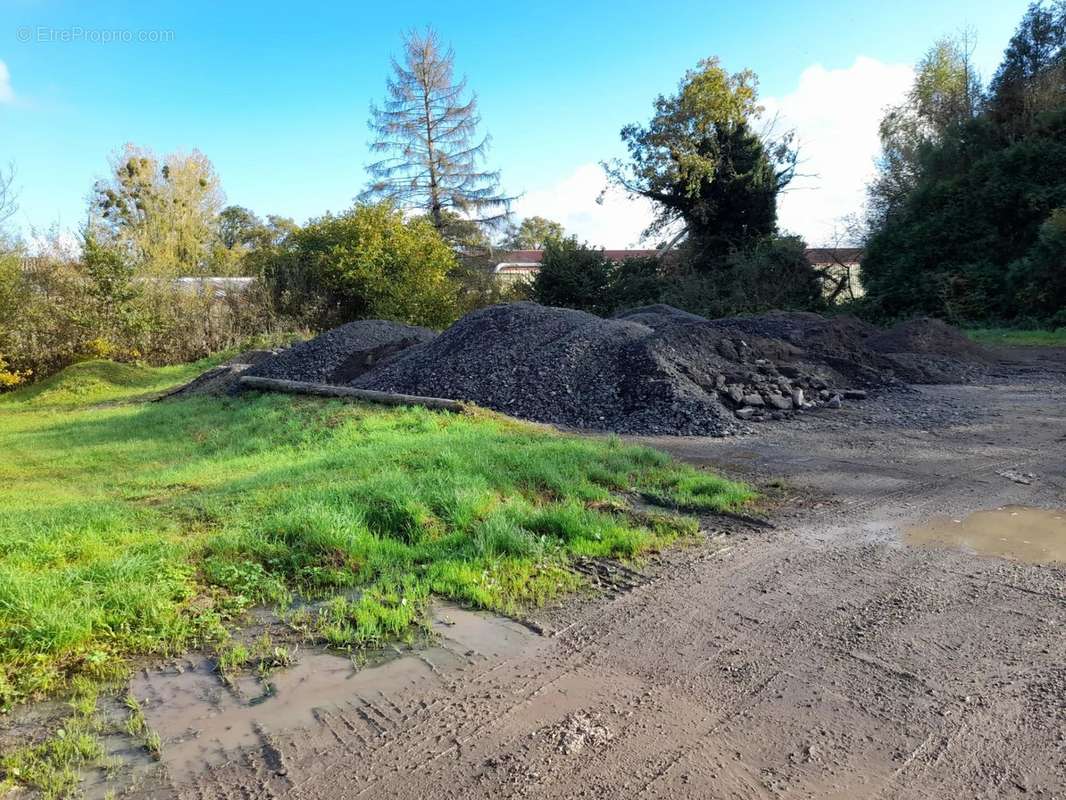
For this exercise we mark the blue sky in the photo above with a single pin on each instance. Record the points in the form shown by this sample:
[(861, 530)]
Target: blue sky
[(276, 94)]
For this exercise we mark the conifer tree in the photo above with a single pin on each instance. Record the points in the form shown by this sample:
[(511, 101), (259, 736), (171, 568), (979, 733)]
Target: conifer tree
[(427, 130)]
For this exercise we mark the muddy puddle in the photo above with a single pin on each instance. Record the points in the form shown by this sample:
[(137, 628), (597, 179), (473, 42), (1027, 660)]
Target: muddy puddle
[(1020, 533), (203, 721)]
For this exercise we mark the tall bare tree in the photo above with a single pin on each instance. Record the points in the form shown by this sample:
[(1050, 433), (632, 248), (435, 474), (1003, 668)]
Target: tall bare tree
[(428, 130)]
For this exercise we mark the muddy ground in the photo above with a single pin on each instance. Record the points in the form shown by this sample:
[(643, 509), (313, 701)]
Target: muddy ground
[(835, 655)]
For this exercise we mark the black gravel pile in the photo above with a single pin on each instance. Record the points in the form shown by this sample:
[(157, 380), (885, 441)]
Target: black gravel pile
[(224, 378), (688, 376), (917, 351), (545, 364), (343, 353), (659, 316), (650, 370), (931, 351)]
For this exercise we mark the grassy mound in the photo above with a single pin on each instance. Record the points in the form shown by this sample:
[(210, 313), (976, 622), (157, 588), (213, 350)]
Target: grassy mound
[(100, 381), (130, 527)]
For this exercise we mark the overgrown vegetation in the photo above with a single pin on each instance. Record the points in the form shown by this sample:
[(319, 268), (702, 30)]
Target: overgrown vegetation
[(715, 182), (968, 215), (134, 287), (130, 527), (368, 263), (771, 273), (52, 765), (60, 311)]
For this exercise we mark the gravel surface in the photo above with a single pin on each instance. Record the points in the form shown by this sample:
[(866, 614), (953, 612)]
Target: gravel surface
[(659, 316), (224, 379)]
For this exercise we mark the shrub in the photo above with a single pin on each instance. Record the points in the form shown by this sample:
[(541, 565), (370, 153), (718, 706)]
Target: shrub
[(771, 273), (366, 263), (1039, 279), (56, 312), (574, 275)]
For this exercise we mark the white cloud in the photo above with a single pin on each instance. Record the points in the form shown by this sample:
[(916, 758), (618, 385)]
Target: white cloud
[(616, 223), (7, 94), (835, 114)]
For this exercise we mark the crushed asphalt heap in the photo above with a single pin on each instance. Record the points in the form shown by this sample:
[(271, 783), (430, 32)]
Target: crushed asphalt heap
[(344, 353), (650, 370), (336, 357), (224, 378)]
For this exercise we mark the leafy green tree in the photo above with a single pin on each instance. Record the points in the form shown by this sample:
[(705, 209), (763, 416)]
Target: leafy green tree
[(978, 207), (428, 131), (534, 233), (113, 290), (162, 213), (573, 275), (974, 233), (366, 263), (1032, 77), (946, 93), (701, 162), (1039, 280), (239, 226)]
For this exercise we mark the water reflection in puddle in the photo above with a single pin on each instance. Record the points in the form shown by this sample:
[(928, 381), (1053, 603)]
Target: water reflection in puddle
[(1034, 535), (202, 721)]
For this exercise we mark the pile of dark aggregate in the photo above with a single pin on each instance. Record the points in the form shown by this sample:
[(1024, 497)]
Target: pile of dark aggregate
[(916, 351), (653, 370), (649, 370), (341, 354), (551, 365), (931, 351), (224, 379)]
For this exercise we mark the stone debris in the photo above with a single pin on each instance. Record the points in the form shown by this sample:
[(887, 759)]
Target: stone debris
[(579, 732), (1024, 478), (651, 370)]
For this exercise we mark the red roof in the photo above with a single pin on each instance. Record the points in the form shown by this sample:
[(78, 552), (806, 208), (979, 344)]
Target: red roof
[(536, 256), (816, 255)]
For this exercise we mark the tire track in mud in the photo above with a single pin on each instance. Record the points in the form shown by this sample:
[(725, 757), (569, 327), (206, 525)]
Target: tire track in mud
[(808, 661)]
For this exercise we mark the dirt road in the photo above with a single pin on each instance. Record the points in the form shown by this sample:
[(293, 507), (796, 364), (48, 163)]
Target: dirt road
[(825, 658)]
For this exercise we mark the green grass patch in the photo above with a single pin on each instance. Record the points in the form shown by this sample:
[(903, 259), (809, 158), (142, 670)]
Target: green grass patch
[(129, 527), (1014, 336), (53, 766)]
